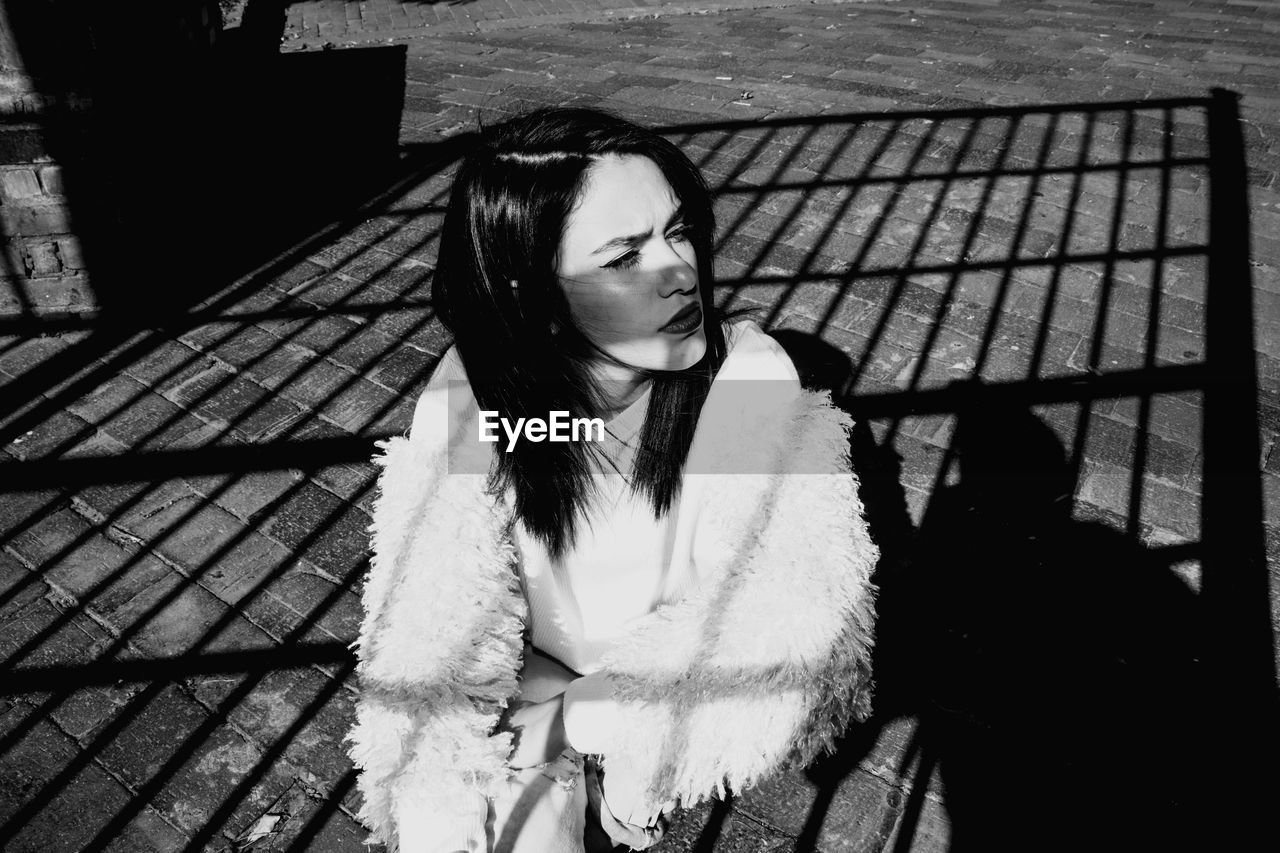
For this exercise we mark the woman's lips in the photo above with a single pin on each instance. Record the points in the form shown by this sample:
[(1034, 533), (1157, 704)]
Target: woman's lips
[(686, 321)]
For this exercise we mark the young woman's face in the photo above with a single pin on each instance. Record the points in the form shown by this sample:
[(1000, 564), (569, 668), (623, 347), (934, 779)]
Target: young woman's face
[(629, 270)]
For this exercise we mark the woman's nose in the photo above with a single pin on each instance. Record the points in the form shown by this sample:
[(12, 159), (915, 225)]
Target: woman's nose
[(678, 275)]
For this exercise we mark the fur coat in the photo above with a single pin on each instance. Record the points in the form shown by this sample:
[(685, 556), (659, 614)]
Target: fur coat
[(760, 667)]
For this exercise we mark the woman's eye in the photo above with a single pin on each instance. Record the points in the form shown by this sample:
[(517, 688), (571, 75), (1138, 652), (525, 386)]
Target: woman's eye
[(624, 262), (681, 233)]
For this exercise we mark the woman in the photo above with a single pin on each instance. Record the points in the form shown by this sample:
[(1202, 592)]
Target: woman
[(563, 640)]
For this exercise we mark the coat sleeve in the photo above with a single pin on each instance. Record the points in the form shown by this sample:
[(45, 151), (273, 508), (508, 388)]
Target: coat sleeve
[(768, 660), (438, 649)]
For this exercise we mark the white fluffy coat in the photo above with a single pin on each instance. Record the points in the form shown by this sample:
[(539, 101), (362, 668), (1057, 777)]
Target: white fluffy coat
[(761, 667)]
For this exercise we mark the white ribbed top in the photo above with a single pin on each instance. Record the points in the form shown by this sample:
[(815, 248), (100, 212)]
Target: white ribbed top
[(617, 569)]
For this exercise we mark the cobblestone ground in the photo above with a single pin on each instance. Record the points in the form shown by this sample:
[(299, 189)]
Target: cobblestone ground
[(898, 198)]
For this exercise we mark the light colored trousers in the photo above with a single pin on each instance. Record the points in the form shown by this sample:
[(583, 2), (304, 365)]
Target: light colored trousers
[(544, 809)]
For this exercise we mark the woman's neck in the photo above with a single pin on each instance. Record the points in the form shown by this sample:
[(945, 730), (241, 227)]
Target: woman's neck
[(620, 389)]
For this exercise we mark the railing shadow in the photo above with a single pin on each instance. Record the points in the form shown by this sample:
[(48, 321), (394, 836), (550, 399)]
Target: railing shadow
[(1073, 588)]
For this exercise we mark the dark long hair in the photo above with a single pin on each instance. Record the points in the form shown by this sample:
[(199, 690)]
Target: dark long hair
[(522, 352)]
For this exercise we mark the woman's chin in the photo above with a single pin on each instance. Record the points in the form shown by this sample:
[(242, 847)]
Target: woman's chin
[(665, 352), (687, 352)]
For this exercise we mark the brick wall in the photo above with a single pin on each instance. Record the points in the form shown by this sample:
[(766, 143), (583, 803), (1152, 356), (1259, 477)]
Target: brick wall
[(46, 109), (43, 268)]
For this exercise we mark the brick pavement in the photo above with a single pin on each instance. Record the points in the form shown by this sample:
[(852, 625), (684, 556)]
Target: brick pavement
[(184, 507)]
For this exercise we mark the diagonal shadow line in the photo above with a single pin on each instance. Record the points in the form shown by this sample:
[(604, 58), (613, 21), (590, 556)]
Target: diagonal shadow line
[(195, 358), (121, 640), (858, 181), (953, 283), (912, 810), (948, 296), (714, 827), (308, 455), (331, 806), (209, 394), (1099, 326), (65, 619), (881, 149), (34, 642), (100, 345), (81, 321), (837, 151), (847, 188), (140, 701), (1058, 259), (147, 792), (918, 249), (337, 392), (1152, 334), (889, 309), (133, 502), (364, 249), (245, 786), (966, 249), (768, 188), (744, 213), (987, 338), (793, 281), (106, 364), (100, 673), (712, 151)]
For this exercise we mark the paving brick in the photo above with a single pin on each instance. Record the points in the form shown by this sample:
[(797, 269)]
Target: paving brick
[(321, 528), (279, 367), (860, 816), (245, 495), (315, 382), (70, 552), (165, 360), (360, 406), (79, 809), (19, 586), (58, 435), (19, 184), (732, 831), (248, 409), (173, 736)]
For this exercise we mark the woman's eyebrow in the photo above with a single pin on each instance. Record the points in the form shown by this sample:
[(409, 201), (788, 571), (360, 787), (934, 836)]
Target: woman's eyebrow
[(632, 239), (618, 242)]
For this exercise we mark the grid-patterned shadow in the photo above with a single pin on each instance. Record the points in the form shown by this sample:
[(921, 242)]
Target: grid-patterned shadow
[(1057, 413)]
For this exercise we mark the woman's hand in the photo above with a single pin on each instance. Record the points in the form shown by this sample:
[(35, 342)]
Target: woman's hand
[(536, 715), (539, 731), (619, 784), (542, 677)]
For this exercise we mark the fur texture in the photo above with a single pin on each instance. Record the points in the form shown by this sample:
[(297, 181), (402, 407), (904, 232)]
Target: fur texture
[(762, 666)]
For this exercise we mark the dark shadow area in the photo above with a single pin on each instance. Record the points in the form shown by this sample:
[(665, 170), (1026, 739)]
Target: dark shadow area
[(1048, 659), (188, 165), (203, 451)]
